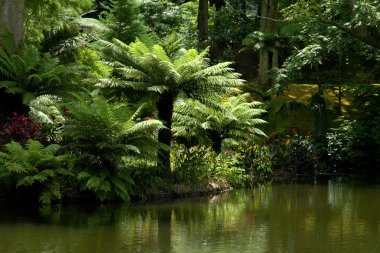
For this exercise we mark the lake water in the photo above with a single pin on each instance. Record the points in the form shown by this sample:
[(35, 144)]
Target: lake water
[(275, 218)]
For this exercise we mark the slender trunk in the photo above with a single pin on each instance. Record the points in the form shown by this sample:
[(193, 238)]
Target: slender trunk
[(12, 18), (268, 24), (216, 139), (264, 54), (318, 79), (203, 20), (340, 85), (263, 67), (165, 114), (275, 58)]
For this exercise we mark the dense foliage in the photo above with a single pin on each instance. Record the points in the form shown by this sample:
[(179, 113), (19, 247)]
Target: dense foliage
[(35, 166), (118, 99)]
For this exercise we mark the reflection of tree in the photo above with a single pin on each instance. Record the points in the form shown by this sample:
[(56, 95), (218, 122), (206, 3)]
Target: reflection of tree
[(165, 231), (277, 218)]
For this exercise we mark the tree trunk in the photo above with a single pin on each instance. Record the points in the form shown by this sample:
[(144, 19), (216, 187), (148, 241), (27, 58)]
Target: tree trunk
[(12, 18), (203, 20), (216, 139), (268, 24), (340, 84), (274, 58), (165, 113), (263, 67)]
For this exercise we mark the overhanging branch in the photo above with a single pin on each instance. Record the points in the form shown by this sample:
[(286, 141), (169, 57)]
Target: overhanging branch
[(363, 36)]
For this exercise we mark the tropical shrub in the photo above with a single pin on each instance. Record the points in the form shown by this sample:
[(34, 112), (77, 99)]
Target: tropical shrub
[(100, 135), (35, 166), (190, 165), (354, 145), (340, 142), (200, 165), (257, 160), (228, 166), (293, 153)]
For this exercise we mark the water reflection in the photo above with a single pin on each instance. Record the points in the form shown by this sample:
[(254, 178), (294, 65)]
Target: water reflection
[(274, 218)]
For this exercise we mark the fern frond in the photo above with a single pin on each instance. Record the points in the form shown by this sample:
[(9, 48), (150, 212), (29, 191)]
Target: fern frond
[(95, 183), (7, 42), (91, 23), (158, 51), (116, 83), (121, 188), (235, 119), (83, 175), (142, 127), (44, 107)]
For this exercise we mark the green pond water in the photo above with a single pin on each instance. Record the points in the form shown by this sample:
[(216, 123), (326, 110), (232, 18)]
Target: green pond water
[(276, 218)]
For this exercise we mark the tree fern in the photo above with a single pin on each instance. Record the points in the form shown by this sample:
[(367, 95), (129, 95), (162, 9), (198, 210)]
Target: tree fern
[(236, 122), (35, 165), (31, 73), (101, 134), (152, 71)]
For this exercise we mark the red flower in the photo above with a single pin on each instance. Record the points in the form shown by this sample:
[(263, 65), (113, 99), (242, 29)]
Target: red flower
[(149, 118)]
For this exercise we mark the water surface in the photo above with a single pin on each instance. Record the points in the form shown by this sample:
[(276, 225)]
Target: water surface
[(277, 218)]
